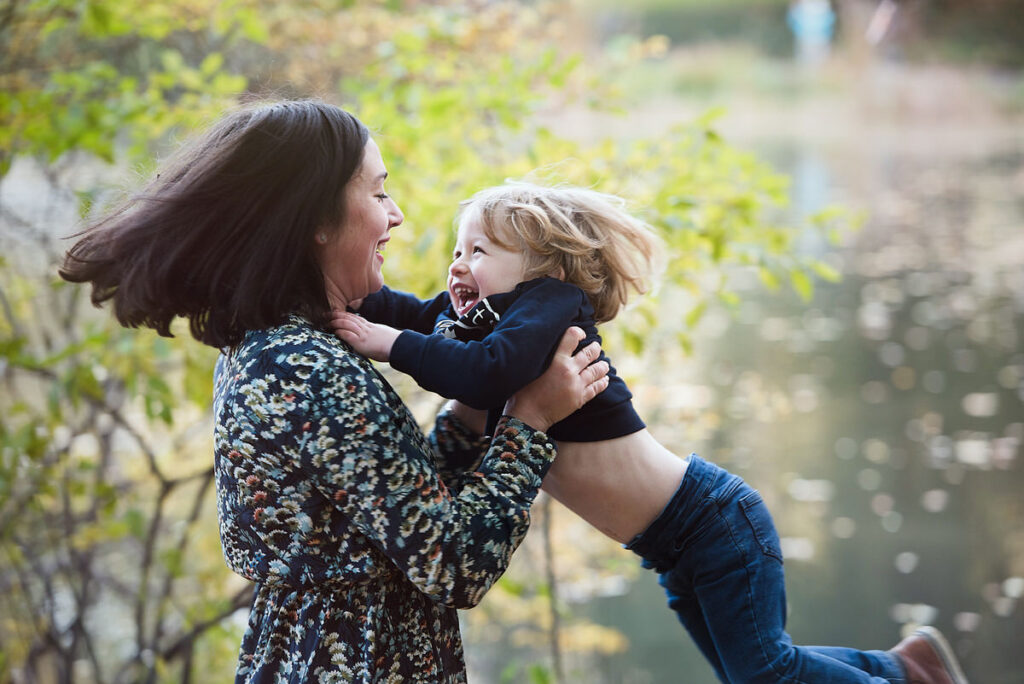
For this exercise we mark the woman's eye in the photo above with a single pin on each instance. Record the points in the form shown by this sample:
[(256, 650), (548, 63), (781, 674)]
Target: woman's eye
[(382, 196)]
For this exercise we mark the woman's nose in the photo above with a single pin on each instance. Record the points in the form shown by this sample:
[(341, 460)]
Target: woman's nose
[(395, 215)]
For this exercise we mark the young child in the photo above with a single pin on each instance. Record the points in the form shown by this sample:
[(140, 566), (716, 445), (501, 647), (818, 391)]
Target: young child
[(529, 261)]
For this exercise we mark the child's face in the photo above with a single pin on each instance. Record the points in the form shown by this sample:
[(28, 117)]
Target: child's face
[(480, 267)]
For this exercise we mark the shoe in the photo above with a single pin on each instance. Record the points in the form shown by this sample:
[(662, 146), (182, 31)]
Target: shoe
[(928, 658)]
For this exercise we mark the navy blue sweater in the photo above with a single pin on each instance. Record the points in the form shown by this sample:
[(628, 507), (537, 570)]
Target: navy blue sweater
[(484, 366)]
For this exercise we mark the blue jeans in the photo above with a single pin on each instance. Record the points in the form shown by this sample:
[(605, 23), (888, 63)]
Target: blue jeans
[(717, 555)]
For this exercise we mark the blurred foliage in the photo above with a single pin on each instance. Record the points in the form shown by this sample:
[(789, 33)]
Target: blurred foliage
[(84, 76), (107, 567), (758, 23), (978, 31), (110, 565), (987, 32)]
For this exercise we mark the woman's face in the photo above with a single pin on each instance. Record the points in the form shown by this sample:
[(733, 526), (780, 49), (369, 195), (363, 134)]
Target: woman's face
[(351, 257)]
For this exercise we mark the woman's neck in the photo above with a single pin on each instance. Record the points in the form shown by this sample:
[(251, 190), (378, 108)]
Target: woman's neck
[(336, 299)]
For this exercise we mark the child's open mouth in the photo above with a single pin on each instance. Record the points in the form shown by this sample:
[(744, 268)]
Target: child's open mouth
[(464, 299)]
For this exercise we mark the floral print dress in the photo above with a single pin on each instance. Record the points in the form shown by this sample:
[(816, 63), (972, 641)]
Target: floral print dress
[(332, 500)]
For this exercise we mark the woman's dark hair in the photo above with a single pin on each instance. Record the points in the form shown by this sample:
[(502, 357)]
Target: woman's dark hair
[(224, 234)]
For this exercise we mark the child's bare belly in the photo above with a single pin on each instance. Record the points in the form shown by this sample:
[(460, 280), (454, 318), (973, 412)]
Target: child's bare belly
[(619, 485)]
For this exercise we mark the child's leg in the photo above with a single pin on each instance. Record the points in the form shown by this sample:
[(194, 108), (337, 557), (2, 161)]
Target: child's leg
[(687, 608), (716, 546)]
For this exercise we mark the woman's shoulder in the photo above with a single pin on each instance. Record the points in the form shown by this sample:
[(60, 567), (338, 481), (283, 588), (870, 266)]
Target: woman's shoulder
[(294, 334), (297, 347), (294, 373)]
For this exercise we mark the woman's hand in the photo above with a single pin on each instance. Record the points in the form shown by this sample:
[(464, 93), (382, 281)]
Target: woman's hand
[(372, 340), (568, 383)]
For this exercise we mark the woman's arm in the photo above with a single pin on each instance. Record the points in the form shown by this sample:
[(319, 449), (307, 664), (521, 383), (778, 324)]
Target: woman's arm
[(473, 419), (458, 441), (378, 471)]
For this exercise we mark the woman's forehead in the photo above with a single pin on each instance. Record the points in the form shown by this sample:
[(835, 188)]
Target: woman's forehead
[(371, 168)]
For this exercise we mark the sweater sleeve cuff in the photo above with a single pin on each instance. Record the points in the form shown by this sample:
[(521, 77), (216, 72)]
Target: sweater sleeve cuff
[(518, 446), (458, 446)]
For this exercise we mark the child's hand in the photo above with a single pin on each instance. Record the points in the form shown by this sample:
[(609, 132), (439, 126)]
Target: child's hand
[(372, 340)]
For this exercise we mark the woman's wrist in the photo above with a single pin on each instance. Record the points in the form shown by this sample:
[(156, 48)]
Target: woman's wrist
[(526, 414), (471, 419)]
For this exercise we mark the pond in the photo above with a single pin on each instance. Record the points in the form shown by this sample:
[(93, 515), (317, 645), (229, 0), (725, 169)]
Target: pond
[(882, 421)]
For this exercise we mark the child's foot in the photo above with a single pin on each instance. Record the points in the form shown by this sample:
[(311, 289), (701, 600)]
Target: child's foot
[(928, 658)]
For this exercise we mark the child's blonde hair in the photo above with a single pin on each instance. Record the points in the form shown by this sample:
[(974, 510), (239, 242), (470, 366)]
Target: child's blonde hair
[(585, 237)]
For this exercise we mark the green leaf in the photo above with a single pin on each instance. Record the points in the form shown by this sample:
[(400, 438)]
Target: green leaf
[(172, 61), (802, 284), (685, 342), (135, 523), (254, 28), (729, 298), (511, 586), (539, 674), (173, 562), (211, 64), (770, 280), (695, 314), (634, 340), (98, 18), (826, 271)]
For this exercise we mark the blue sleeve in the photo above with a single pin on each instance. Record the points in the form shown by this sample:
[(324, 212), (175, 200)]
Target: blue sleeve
[(403, 310), (484, 374)]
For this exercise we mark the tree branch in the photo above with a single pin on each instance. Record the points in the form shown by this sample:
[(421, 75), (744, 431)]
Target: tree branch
[(169, 578), (552, 580), (115, 414), (145, 566), (241, 599)]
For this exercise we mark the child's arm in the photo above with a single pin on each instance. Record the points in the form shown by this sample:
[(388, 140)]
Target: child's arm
[(483, 374), (372, 340), (401, 310)]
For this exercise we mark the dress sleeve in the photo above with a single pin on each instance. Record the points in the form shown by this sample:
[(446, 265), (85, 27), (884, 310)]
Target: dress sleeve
[(403, 310), (365, 454), (458, 449), (483, 374)]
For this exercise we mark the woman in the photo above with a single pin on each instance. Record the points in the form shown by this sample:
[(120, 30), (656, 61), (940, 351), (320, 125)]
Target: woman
[(329, 497)]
